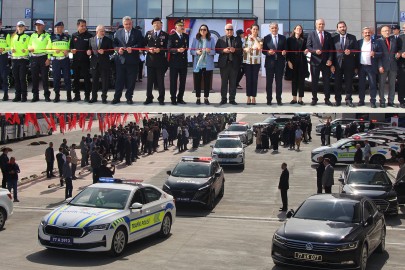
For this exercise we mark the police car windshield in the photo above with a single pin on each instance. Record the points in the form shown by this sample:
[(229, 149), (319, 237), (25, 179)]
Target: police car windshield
[(237, 128), (101, 198), (192, 169), (339, 143), (339, 211), (228, 144), (269, 120), (368, 178)]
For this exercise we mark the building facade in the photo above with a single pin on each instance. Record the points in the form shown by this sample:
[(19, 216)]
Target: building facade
[(356, 13)]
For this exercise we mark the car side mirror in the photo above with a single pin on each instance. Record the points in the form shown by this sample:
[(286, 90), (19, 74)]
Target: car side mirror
[(341, 180), (370, 221), (245, 145), (68, 200), (217, 174), (379, 208), (136, 206), (211, 145), (289, 213), (169, 172)]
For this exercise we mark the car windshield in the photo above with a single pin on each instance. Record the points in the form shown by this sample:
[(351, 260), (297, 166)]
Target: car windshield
[(192, 169), (368, 178), (339, 211), (269, 120), (237, 128), (339, 143), (228, 144), (101, 198)]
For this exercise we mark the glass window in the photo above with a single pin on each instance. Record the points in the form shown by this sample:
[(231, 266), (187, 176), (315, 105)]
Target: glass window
[(122, 8), (228, 6), (138, 198), (43, 9), (186, 169), (302, 9), (245, 6), (276, 9), (180, 5), (149, 9), (101, 198), (386, 12), (200, 6), (368, 178), (152, 194), (1, 6)]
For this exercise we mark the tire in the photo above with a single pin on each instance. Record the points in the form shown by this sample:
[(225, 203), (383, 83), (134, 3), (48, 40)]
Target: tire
[(211, 201), (166, 227), (221, 194), (119, 241), (381, 246), (332, 158), (3, 217), (277, 263), (378, 159), (242, 166), (363, 257)]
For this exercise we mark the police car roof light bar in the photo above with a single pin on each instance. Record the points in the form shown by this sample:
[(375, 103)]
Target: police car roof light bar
[(356, 138), (239, 123), (196, 158)]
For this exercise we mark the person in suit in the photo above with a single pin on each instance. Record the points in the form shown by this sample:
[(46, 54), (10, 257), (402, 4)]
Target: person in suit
[(401, 70), (297, 62), (275, 62), (344, 63), (74, 160), (100, 50), (156, 60), (178, 45), (367, 64), (95, 164), (320, 43), (50, 159), (128, 150), (3, 166), (67, 174), (338, 131), (228, 63), (319, 172), (105, 171), (388, 66), (358, 156), (283, 186), (60, 159), (327, 176), (127, 59), (84, 149)]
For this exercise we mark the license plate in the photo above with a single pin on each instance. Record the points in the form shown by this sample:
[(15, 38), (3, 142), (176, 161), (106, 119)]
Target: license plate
[(61, 240), (183, 199), (308, 257), (226, 160)]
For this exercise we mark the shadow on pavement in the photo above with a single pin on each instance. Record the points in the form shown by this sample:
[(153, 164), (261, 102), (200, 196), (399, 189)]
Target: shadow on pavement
[(195, 210)]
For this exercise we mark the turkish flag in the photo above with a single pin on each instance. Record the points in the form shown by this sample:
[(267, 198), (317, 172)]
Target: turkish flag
[(90, 122)]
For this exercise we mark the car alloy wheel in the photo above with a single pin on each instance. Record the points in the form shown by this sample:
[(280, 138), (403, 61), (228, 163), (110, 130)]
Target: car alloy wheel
[(2, 218), (118, 242), (166, 226), (363, 259)]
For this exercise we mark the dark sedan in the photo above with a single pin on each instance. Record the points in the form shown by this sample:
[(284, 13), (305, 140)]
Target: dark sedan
[(196, 180), (370, 180), (330, 231)]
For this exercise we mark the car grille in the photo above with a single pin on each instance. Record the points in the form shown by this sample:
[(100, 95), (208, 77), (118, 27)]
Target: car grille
[(382, 203), (73, 232), (316, 246), (227, 155)]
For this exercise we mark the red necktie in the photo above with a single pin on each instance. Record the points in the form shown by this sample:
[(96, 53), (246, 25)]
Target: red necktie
[(321, 38), (388, 44)]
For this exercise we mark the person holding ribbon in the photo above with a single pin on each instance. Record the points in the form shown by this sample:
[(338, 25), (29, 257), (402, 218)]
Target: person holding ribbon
[(203, 54)]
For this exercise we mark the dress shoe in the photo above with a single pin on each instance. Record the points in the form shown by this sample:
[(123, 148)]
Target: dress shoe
[(129, 101), (174, 103), (47, 99), (313, 103), (373, 105), (35, 99), (77, 98), (181, 102), (269, 103), (198, 102), (16, 200), (16, 99), (233, 102), (279, 103), (337, 104), (402, 105), (293, 101), (222, 102), (301, 102), (206, 102), (104, 101), (92, 100), (349, 103), (382, 105), (253, 103), (86, 99), (5, 97), (161, 103), (69, 99), (56, 99), (115, 101), (147, 102), (329, 103), (361, 103), (392, 105), (24, 99), (281, 209)]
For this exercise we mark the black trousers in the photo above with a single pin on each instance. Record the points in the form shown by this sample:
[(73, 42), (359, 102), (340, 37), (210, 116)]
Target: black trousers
[(81, 67), (401, 85), (84, 160), (315, 72), (181, 74), (74, 166), (150, 145), (96, 175), (228, 77), (277, 74), (49, 169), (165, 144), (3, 181), (348, 73), (20, 70), (284, 198), (155, 74), (128, 158), (140, 69), (121, 154), (319, 185), (4, 72), (252, 77), (96, 73), (38, 67), (69, 187), (323, 139), (328, 189), (196, 142), (207, 82), (241, 72), (297, 82), (125, 76)]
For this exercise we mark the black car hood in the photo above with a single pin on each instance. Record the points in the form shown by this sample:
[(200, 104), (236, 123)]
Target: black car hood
[(318, 231), (369, 191), (185, 183)]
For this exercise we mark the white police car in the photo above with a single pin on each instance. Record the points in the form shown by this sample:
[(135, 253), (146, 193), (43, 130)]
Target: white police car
[(334, 123), (243, 129), (229, 150), (108, 215), (343, 151)]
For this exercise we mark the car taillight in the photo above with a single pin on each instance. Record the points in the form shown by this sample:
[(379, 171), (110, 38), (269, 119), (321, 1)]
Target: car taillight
[(9, 195), (174, 201)]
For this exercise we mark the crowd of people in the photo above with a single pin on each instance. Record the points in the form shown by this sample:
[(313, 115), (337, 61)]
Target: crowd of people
[(373, 57)]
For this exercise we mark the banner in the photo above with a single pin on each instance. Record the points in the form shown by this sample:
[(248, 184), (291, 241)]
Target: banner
[(394, 121)]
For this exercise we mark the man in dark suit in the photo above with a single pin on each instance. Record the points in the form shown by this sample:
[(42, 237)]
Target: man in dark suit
[(319, 172), (283, 186), (367, 64), (95, 164), (156, 60), (344, 63), (275, 62), (319, 42), (100, 51), (401, 70), (358, 156), (128, 150), (228, 63), (178, 45), (327, 176), (388, 66), (127, 59), (338, 131)]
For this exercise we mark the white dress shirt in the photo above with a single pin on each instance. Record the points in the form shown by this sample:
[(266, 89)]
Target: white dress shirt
[(158, 32), (366, 53)]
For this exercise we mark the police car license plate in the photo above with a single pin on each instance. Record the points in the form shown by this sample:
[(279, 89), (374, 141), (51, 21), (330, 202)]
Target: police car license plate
[(183, 199), (308, 257), (226, 160), (61, 240)]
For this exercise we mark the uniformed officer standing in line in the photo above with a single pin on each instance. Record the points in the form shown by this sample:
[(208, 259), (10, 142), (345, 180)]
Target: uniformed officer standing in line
[(156, 60), (4, 65), (40, 60), (20, 61), (81, 61), (60, 43), (178, 46)]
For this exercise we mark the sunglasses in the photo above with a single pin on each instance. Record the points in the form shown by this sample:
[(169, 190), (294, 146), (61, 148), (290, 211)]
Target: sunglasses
[(229, 29), (202, 29)]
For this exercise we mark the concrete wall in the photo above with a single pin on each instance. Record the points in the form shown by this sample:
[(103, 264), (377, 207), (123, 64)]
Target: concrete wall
[(14, 11), (258, 10), (328, 10)]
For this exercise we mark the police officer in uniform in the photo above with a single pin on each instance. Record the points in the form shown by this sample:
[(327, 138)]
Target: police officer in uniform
[(60, 43), (20, 61), (40, 60), (178, 45), (156, 60), (81, 61), (4, 65)]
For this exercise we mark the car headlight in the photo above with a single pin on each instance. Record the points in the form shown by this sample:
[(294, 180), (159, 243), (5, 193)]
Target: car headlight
[(43, 222), (97, 227), (240, 155), (207, 185), (392, 199), (347, 246), (280, 240)]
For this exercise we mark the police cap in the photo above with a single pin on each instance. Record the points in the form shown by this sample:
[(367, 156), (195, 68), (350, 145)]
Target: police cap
[(179, 22), (395, 26), (59, 23), (157, 19)]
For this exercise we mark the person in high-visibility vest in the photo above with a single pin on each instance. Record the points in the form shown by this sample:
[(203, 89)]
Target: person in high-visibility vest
[(60, 45), (20, 61), (40, 60), (4, 64)]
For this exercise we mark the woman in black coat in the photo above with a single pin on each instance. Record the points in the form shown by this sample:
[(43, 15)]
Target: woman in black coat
[(297, 62), (180, 141), (275, 138), (265, 139)]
